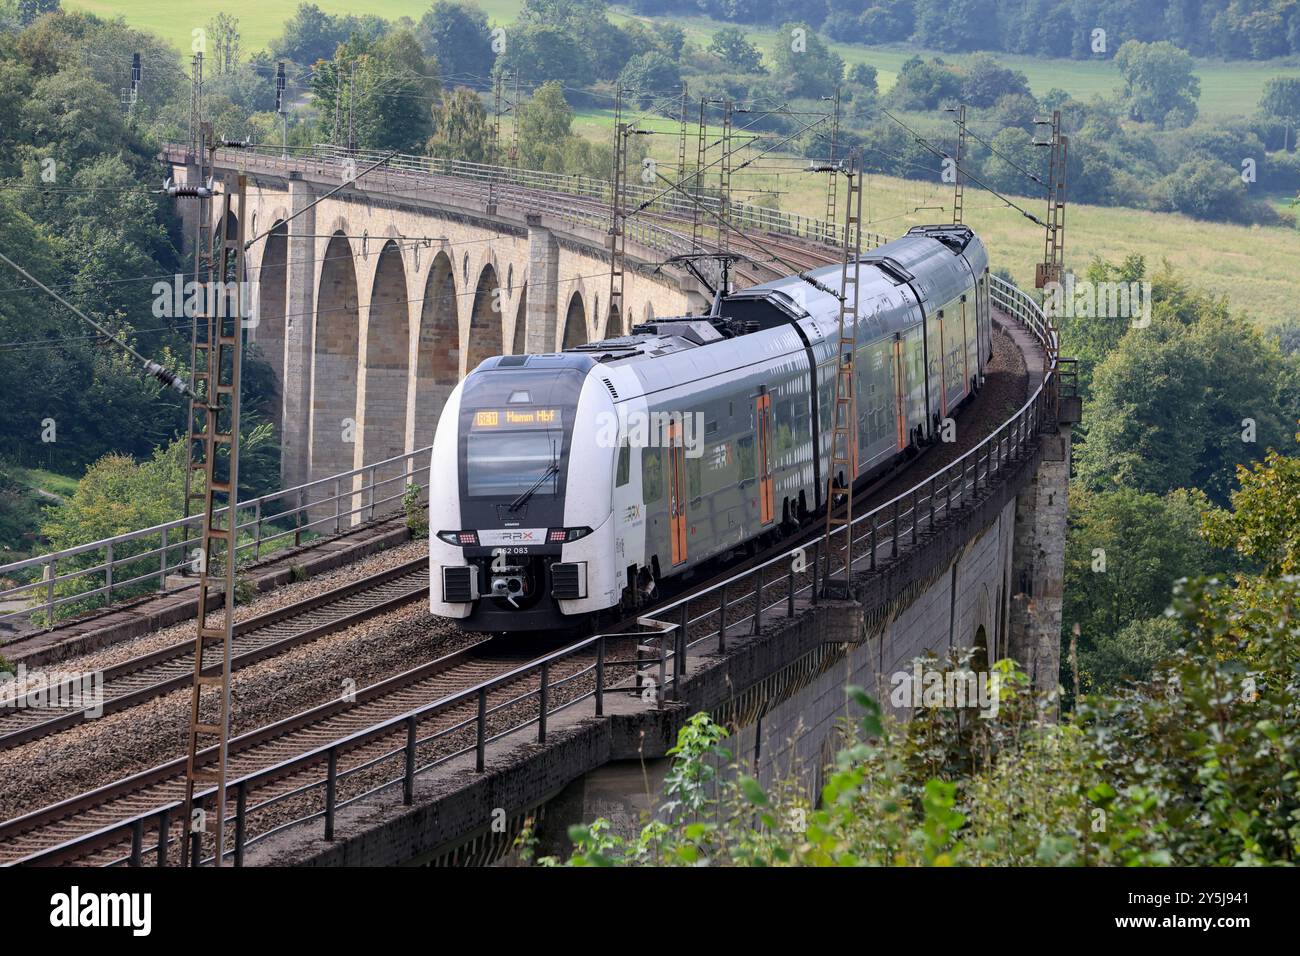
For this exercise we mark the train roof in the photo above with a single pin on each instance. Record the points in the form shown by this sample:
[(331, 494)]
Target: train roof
[(935, 263)]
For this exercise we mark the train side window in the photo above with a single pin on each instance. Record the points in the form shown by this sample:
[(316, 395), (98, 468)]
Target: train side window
[(652, 475), (623, 471), (745, 454)]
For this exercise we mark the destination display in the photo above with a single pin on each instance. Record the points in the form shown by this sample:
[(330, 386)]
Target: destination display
[(516, 417)]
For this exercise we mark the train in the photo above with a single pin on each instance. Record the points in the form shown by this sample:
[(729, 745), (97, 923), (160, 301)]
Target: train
[(576, 484)]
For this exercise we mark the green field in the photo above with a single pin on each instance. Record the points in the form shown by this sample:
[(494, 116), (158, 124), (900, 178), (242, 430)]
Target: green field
[(1241, 262), (260, 21), (1227, 89)]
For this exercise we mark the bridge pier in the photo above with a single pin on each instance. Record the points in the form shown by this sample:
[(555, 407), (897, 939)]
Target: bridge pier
[(300, 308), (544, 287), (1038, 564)]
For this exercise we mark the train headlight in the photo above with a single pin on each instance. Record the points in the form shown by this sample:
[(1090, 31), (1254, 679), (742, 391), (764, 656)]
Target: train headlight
[(458, 537), (561, 535)]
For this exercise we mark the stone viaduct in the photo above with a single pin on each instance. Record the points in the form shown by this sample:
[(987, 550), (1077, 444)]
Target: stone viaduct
[(374, 302)]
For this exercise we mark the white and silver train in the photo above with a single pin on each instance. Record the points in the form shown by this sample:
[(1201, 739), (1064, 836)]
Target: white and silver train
[(568, 484)]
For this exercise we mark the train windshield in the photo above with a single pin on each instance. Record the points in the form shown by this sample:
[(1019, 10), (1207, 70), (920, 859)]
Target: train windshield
[(511, 463)]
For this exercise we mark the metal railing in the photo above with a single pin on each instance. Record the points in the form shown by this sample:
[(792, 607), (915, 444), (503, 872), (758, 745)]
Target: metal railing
[(492, 184), (884, 533), (485, 721), (138, 562)]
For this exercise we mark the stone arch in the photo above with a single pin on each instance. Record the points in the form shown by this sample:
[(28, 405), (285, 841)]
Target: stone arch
[(648, 312), (384, 377), (437, 362), (272, 277), (575, 322), (979, 660), (334, 362), (520, 343), (486, 337)]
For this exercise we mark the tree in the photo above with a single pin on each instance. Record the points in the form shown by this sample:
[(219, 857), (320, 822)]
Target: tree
[(223, 42), (1159, 82), (1281, 99), (924, 84), (1124, 552), (463, 129), (730, 45), (544, 122), (864, 75), (1206, 189), (651, 76), (1180, 406), (457, 36), (539, 52), (986, 81), (389, 86), (803, 64), (1264, 523)]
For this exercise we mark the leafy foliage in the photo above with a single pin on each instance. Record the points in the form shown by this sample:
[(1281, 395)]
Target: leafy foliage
[(1198, 767)]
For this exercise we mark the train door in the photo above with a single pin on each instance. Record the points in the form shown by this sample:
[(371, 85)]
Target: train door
[(900, 391), (766, 497), (965, 346), (943, 367), (677, 490)]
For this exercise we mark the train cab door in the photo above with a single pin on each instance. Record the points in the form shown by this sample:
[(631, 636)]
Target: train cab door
[(677, 490), (766, 497)]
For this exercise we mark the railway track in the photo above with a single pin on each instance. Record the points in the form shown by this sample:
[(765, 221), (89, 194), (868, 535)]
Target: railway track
[(298, 793), (171, 668)]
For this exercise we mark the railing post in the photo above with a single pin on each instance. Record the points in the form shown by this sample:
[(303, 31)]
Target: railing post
[(49, 595), (372, 493), (543, 701), (663, 669), (817, 557), (916, 512), (480, 745), (297, 519), (789, 598), (108, 572), (331, 791), (894, 546), (758, 600), (600, 676), (162, 564), (722, 622), (408, 774), (338, 505), (679, 645), (257, 529), (164, 834), (241, 820), (933, 494), (137, 841), (874, 520)]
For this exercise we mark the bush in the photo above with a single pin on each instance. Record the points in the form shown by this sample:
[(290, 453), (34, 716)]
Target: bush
[(417, 515)]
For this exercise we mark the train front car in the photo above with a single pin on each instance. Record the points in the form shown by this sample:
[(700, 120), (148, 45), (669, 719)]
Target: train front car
[(520, 531)]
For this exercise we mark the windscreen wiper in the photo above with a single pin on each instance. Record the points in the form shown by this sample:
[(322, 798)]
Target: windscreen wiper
[(551, 469)]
